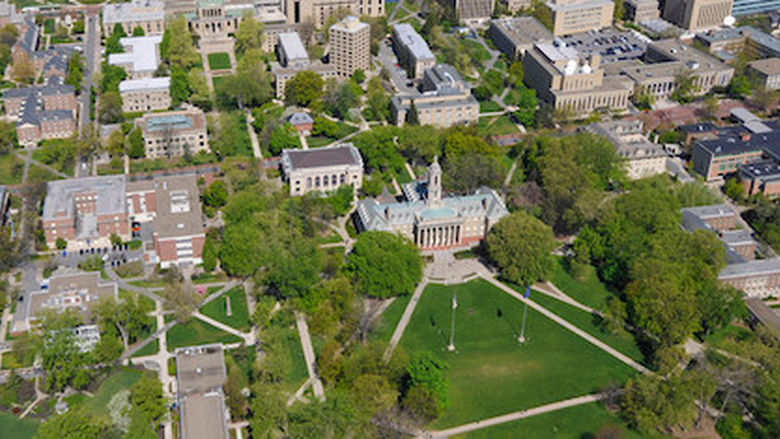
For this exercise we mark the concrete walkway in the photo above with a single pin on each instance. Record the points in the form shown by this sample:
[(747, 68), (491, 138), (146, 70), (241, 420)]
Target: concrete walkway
[(407, 315), (308, 354), (28, 158), (587, 399), (551, 290), (253, 135), (249, 338)]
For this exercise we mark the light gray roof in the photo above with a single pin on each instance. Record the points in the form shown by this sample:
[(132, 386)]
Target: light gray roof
[(628, 138), (137, 10), (109, 190), (737, 237), (523, 31), (712, 211), (413, 42), (141, 52), (292, 46), (757, 267), (351, 24), (300, 118), (131, 85)]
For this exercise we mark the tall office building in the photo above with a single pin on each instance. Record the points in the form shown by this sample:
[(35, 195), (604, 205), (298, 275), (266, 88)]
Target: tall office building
[(350, 46), (318, 11), (695, 15), (578, 16)]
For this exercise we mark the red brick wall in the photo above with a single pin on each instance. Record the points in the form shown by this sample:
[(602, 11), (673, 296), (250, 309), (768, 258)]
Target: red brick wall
[(166, 250), (197, 246), (28, 134), (722, 222), (108, 225), (13, 105), (65, 229)]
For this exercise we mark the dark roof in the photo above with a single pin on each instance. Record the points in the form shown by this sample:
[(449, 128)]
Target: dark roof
[(317, 157), (729, 141), (763, 170), (29, 39), (698, 128)]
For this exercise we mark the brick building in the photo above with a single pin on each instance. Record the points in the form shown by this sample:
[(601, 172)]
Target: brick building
[(445, 100), (146, 94), (42, 112), (762, 177), (412, 50), (172, 133)]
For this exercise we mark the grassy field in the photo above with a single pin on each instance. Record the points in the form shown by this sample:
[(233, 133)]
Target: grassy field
[(12, 427), (219, 61), (197, 333), (590, 291), (150, 349), (489, 107), (10, 169), (215, 80), (490, 373), (386, 323), (574, 422), (217, 309), (97, 406), (297, 373), (623, 341)]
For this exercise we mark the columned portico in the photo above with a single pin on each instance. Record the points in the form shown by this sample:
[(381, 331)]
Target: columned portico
[(434, 236)]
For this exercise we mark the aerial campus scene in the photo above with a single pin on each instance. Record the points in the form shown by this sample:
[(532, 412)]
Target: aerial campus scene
[(232, 219)]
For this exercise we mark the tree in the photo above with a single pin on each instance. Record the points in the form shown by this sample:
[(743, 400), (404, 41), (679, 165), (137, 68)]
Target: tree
[(412, 118), (112, 42), (135, 144), (765, 98), (72, 425), (177, 46), (304, 88), (710, 107), (147, 395), (62, 360), (739, 86), (111, 77), (359, 76), (429, 372), (8, 140), (284, 136), (251, 87), (23, 70), (249, 35), (201, 94), (181, 300), (138, 31), (620, 10), (527, 104), (140, 426), (421, 404), (684, 85), (377, 101), (179, 88), (110, 109), (384, 264), (374, 392), (127, 318), (465, 173), (215, 195), (521, 245), (61, 244), (75, 71), (734, 189), (643, 99)]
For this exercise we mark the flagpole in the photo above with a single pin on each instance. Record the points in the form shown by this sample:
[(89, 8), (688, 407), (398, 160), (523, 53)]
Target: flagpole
[(527, 294), (451, 346)]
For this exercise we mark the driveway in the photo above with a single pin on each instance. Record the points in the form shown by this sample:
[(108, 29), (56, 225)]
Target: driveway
[(388, 60)]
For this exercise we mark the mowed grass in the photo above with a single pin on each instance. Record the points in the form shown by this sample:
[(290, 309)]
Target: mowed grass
[(219, 61), (385, 324), (12, 427), (195, 333), (590, 291), (97, 406), (297, 373), (574, 422), (491, 373), (11, 169), (217, 309), (150, 349)]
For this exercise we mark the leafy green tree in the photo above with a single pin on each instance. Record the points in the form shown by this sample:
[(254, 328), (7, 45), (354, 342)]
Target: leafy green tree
[(684, 86), (249, 35), (734, 189), (135, 144), (426, 370), (72, 425), (147, 395), (111, 76), (284, 136), (377, 101), (112, 42), (643, 99), (215, 195), (250, 86), (527, 104), (466, 173), (138, 31), (413, 117), (75, 71), (179, 88), (8, 140), (304, 88), (384, 264), (521, 245), (110, 109), (61, 244), (177, 46), (619, 11), (739, 86), (359, 76), (765, 219), (140, 426), (62, 360), (127, 318)]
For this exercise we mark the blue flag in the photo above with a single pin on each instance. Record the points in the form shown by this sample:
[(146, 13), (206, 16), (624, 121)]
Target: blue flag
[(527, 292)]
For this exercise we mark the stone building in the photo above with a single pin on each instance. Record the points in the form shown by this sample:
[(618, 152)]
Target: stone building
[(293, 58), (146, 94), (766, 72), (322, 169), (85, 210), (171, 133), (431, 220), (696, 15), (141, 57), (200, 375), (149, 15), (516, 5), (473, 11), (578, 16), (412, 50), (350, 46), (515, 35), (637, 11), (759, 278), (9, 14), (728, 43), (719, 217), (566, 79), (445, 100), (642, 157), (318, 11)]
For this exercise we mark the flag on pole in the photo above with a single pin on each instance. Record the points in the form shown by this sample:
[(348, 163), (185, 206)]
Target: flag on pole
[(527, 291), (454, 301)]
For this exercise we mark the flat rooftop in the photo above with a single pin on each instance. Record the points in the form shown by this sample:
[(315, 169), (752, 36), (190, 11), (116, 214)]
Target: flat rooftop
[(610, 44), (413, 42), (144, 84), (203, 416), (109, 193), (350, 23), (523, 31), (693, 58), (712, 211), (737, 237), (344, 154), (177, 202), (752, 268), (763, 170), (141, 53), (768, 66), (200, 369), (137, 10), (557, 52), (79, 291), (292, 46)]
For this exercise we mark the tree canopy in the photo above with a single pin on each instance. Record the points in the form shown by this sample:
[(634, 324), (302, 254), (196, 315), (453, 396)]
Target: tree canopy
[(384, 264), (521, 245)]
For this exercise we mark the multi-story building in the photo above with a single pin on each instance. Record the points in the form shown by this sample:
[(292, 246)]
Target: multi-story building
[(149, 15), (445, 100), (318, 11), (611, 45), (515, 35), (85, 210), (218, 18), (516, 5), (566, 79), (179, 233), (642, 157), (637, 11), (412, 50), (718, 218), (727, 43), (200, 374), (732, 147), (9, 14), (578, 16), (762, 177), (350, 46), (141, 57), (665, 59), (696, 15), (753, 7), (433, 221), (473, 11), (766, 72), (759, 278), (322, 169), (174, 133), (293, 59), (42, 112), (76, 291), (146, 94)]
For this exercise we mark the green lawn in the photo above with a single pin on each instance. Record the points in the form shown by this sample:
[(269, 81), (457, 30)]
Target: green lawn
[(11, 169), (490, 373), (215, 80), (97, 406), (489, 106), (319, 141), (590, 291), (148, 283), (217, 309), (297, 373), (37, 174), (196, 332), (574, 422), (12, 427), (48, 26), (385, 324), (496, 126), (150, 349), (219, 61), (623, 341)]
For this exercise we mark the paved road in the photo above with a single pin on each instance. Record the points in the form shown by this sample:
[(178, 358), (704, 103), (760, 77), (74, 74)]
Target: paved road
[(407, 315), (308, 353), (398, 77), (587, 399)]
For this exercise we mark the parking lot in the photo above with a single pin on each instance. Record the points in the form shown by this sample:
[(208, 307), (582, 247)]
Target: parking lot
[(388, 60)]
